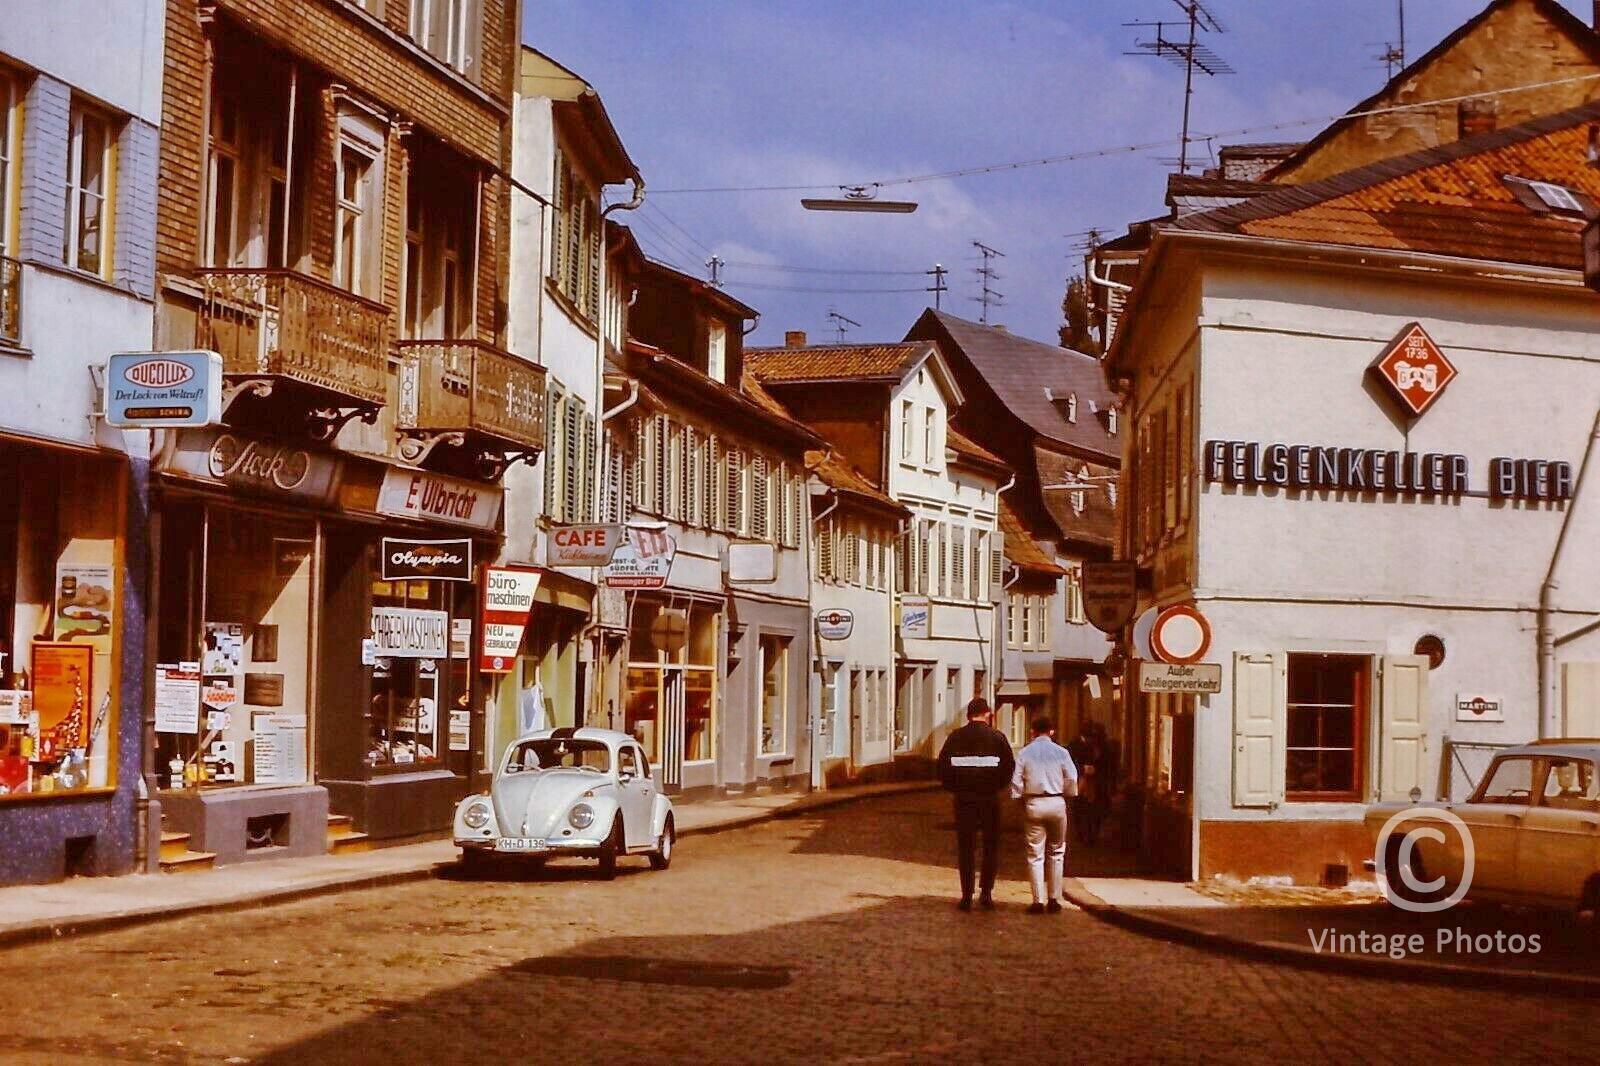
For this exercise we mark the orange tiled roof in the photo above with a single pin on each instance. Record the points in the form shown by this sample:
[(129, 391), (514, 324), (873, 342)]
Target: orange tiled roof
[(1021, 548), (1452, 200), (834, 362), (965, 445), (834, 470)]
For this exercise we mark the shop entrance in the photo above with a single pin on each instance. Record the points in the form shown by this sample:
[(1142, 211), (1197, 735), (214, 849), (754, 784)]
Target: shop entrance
[(672, 686)]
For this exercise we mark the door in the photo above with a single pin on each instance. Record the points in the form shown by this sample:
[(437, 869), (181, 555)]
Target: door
[(672, 720), (1558, 849), (638, 793), (875, 739), (1494, 817)]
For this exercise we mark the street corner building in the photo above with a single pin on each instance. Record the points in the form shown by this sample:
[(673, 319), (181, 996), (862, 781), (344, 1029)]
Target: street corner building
[(1362, 412)]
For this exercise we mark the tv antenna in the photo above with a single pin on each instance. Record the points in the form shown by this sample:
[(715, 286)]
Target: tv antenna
[(1393, 57), (1178, 42), (715, 265), (841, 323), (988, 276)]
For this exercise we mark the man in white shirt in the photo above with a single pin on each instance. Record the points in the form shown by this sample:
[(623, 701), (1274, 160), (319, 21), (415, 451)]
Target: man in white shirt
[(1043, 779)]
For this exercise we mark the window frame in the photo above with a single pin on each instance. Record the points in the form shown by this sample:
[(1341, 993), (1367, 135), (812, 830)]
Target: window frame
[(366, 212), (774, 746), (1361, 709), (76, 191), (11, 119)]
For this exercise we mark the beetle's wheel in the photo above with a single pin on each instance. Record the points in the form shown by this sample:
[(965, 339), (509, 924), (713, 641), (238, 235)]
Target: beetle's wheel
[(610, 850), (661, 858)]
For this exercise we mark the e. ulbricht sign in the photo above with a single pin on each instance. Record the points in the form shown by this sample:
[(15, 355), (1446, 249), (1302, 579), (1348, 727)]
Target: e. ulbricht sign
[(163, 390)]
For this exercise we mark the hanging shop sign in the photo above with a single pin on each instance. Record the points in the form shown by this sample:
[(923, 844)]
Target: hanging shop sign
[(1182, 679), (507, 599), (154, 390), (427, 560), (254, 465), (1476, 707), (643, 560), (915, 612), (590, 545), (427, 497), (1110, 594), (1413, 370), (1180, 634), (836, 624), (411, 633), (1388, 473)]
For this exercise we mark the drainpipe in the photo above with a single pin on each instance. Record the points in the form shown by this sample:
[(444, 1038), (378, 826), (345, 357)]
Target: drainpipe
[(1545, 638)]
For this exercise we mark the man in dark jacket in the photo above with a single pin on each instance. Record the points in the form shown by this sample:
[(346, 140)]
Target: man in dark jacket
[(975, 765)]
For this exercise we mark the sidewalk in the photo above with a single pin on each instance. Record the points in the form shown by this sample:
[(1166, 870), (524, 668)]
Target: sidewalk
[(92, 904), (1356, 933)]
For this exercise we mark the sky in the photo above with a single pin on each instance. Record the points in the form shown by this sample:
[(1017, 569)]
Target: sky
[(747, 95)]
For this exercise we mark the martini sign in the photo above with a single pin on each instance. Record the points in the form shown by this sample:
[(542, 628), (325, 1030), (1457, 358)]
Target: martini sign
[(1414, 370)]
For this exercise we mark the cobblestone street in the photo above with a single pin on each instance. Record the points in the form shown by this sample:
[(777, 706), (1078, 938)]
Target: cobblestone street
[(827, 938)]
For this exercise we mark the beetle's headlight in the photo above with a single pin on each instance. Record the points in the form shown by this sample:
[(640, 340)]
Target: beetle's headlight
[(581, 816), (476, 816)]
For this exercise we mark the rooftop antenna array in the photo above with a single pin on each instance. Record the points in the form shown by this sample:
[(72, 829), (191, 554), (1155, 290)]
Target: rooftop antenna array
[(841, 323), (1178, 42), (715, 265), (1393, 56), (988, 275), (938, 288)]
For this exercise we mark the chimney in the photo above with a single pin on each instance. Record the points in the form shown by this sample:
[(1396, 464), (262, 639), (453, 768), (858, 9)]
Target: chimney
[(796, 338)]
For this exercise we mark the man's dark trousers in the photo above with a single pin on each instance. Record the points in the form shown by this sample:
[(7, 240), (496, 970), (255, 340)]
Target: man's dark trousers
[(977, 813)]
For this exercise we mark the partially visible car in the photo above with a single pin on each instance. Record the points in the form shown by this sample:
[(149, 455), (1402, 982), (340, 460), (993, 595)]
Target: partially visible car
[(1534, 823), (571, 791)]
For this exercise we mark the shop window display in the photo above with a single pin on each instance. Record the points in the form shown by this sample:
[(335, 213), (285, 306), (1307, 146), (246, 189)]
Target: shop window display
[(410, 673), (672, 683)]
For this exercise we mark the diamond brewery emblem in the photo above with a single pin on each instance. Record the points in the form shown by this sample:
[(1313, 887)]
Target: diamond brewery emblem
[(1414, 369)]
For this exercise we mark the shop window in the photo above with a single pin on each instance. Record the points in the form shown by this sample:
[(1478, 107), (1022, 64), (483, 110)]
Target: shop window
[(90, 179), (411, 625), (774, 695), (672, 685), (1326, 709)]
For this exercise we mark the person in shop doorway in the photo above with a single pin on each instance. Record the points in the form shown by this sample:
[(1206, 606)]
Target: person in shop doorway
[(1091, 753), (530, 706), (975, 765), (1043, 780)]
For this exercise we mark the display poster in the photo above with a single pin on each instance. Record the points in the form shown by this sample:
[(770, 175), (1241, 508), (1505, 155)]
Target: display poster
[(18, 738), (178, 698), (83, 601), (279, 755), (643, 560), (460, 729), (16, 706), (914, 613), (62, 681), (221, 761), (460, 638), (222, 665)]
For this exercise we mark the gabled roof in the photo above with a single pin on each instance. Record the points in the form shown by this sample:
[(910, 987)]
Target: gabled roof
[(822, 364), (663, 372), (967, 448), (539, 75), (833, 469), (1022, 549), (1028, 377), (1451, 200), (1563, 19)]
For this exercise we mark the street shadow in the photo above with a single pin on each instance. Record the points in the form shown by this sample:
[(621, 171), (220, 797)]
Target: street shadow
[(903, 979), (920, 828)]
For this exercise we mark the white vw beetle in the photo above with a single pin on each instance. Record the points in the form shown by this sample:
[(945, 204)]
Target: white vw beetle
[(585, 792)]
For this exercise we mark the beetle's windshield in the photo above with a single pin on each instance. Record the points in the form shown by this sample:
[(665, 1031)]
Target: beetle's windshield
[(564, 752)]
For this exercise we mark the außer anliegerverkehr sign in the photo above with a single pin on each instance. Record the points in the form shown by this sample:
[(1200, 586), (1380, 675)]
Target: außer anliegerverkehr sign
[(153, 390)]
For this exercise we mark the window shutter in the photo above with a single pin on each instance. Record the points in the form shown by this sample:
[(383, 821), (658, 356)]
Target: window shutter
[(997, 571), (672, 474), (591, 300), (825, 551), (587, 477), (760, 498), (659, 462), (1403, 681), (799, 510), (561, 220), (736, 517), (709, 482), (572, 460), (552, 451), (1580, 699), (690, 483), (925, 543), (637, 474), (1260, 714), (958, 562)]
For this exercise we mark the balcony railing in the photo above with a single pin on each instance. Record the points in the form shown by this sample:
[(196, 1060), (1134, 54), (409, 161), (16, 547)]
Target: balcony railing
[(286, 324), (10, 300), (468, 386)]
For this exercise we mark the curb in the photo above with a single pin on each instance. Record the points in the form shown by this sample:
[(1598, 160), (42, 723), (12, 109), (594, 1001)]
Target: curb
[(1379, 966), (56, 930)]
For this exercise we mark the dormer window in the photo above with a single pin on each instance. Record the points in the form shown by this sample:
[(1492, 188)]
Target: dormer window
[(1547, 197), (1072, 408), (1556, 197), (1111, 421)]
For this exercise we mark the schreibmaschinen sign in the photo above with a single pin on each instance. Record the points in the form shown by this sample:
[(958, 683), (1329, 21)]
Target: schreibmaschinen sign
[(156, 390), (1180, 679)]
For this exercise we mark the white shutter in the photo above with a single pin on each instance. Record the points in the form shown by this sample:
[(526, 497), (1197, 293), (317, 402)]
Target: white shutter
[(760, 498), (1260, 714), (1403, 680), (1580, 699), (587, 477)]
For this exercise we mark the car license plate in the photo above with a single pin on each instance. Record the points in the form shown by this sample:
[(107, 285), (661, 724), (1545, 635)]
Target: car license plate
[(520, 844)]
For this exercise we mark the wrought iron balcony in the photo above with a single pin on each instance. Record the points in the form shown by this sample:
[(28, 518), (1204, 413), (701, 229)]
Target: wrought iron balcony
[(284, 324), (10, 300), (468, 389)]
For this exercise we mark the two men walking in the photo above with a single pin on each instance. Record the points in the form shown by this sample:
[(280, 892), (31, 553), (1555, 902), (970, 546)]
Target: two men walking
[(975, 764)]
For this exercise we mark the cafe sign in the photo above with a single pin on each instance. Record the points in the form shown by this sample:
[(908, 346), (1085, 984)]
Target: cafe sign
[(582, 545), (427, 560)]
